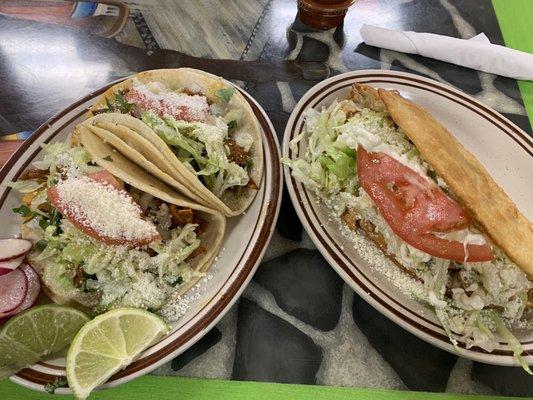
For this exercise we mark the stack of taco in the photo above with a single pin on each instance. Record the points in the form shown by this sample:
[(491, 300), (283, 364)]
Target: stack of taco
[(131, 211)]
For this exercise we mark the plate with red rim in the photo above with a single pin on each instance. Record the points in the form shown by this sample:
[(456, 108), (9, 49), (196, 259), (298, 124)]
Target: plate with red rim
[(504, 149), (230, 273)]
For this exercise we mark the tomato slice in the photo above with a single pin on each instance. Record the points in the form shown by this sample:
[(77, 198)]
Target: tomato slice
[(416, 208), (109, 179)]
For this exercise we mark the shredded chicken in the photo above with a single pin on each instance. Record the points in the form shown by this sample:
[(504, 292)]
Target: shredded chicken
[(198, 251), (79, 277), (354, 222), (180, 216), (39, 174), (237, 154), (202, 224)]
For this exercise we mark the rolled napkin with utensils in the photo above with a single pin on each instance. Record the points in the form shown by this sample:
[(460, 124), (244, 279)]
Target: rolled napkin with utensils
[(477, 53)]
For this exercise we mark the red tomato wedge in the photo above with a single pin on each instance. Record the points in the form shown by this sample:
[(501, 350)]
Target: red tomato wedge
[(415, 208), (68, 212)]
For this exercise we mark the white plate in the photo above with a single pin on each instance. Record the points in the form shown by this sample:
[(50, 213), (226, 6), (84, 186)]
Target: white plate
[(503, 148), (246, 239)]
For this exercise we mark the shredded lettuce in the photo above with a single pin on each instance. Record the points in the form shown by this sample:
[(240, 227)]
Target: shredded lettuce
[(327, 166), (28, 186), (205, 145), (51, 151), (60, 158), (225, 94), (512, 342), (122, 276)]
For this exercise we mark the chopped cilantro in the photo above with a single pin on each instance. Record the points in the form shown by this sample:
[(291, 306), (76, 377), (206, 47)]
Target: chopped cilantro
[(225, 94), (108, 158), (43, 223), (122, 104), (249, 162), (108, 104), (119, 104), (232, 125), (40, 245), (178, 281), (23, 210), (53, 219), (51, 387)]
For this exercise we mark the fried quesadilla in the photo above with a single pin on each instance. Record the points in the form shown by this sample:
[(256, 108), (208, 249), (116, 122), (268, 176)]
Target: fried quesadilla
[(390, 171)]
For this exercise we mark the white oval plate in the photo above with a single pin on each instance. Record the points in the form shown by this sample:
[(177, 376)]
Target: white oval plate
[(503, 148), (231, 273)]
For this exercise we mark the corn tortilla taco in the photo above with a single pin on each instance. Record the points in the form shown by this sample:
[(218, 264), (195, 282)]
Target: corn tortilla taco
[(200, 129), (106, 233)]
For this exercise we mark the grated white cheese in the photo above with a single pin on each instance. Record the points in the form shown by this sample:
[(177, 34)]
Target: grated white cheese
[(106, 210), (178, 306), (381, 263), (181, 106)]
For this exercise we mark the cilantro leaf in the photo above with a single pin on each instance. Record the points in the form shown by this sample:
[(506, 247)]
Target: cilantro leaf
[(53, 219), (232, 125), (43, 223), (119, 98), (60, 382), (249, 163), (108, 158), (123, 105), (40, 245), (178, 281), (108, 104), (225, 94), (23, 210)]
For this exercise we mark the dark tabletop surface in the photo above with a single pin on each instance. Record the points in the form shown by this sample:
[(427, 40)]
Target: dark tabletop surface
[(318, 331)]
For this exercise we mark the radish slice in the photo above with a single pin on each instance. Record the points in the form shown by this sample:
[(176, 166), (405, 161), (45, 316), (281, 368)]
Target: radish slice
[(13, 289), (34, 288), (13, 248), (11, 264)]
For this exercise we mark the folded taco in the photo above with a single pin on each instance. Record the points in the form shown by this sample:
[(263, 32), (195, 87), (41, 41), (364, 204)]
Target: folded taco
[(389, 171), (196, 128), (108, 234)]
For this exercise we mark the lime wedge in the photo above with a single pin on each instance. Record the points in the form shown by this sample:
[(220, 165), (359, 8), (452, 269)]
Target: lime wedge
[(35, 333), (109, 343)]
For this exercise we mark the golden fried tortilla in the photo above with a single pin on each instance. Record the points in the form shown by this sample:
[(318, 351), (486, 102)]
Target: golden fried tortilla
[(475, 189)]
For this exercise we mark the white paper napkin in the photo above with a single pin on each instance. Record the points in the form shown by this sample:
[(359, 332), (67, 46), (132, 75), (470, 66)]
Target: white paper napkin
[(477, 53)]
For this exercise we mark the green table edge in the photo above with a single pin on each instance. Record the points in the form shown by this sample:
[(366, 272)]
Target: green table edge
[(515, 18), (172, 388)]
